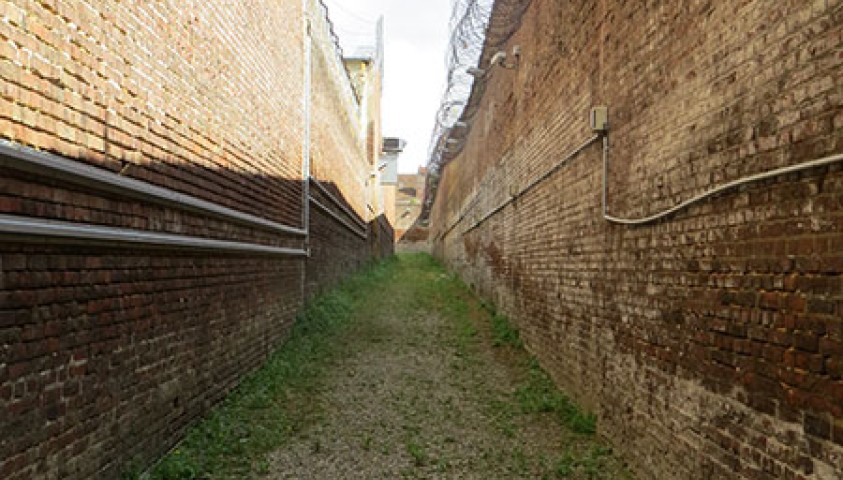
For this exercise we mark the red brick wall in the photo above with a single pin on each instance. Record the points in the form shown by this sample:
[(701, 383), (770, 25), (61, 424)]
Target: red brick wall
[(109, 354), (109, 351), (710, 343), (189, 98), (338, 155), (389, 197), (383, 237), (410, 236), (341, 240)]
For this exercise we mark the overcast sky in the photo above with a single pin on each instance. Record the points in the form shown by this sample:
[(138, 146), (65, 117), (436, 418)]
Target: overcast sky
[(416, 35)]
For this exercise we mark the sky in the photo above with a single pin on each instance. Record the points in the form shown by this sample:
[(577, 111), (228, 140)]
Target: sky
[(416, 35)]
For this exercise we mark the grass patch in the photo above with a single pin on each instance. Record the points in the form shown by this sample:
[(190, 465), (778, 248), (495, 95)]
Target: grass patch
[(418, 453), (590, 463), (503, 333), (537, 395), (541, 395), (260, 414)]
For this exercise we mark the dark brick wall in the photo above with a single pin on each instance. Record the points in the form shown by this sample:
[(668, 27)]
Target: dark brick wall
[(109, 354), (337, 249), (383, 237), (709, 343), (339, 242)]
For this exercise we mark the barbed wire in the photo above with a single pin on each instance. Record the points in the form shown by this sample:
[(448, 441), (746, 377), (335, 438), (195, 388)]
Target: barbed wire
[(364, 18), (479, 28), (356, 35)]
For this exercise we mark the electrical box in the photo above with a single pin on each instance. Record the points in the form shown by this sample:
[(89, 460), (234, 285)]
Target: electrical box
[(599, 119)]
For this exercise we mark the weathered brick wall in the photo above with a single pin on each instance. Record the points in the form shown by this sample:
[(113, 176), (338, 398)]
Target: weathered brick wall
[(710, 343), (109, 350), (411, 236), (408, 200), (338, 154), (390, 194), (340, 241), (383, 237)]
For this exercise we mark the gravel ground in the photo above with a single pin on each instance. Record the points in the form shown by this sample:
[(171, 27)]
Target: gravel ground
[(422, 393)]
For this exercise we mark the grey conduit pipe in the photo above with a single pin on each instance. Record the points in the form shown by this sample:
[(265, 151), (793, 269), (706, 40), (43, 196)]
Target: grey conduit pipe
[(327, 193), (72, 232), (45, 164), (319, 205), (821, 162)]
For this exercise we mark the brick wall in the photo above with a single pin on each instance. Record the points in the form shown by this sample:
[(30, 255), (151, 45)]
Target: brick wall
[(410, 235), (109, 354), (390, 194), (147, 89), (338, 155), (110, 349), (383, 243), (709, 343), (341, 239)]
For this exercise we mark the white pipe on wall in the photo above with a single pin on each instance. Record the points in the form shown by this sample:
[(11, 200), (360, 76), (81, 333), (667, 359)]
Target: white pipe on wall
[(821, 162), (825, 161), (535, 182)]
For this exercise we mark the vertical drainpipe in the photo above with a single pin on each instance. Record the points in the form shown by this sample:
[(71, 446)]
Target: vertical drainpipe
[(364, 134), (305, 167)]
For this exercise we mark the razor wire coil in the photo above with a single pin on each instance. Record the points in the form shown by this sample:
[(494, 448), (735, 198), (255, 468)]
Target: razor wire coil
[(479, 28)]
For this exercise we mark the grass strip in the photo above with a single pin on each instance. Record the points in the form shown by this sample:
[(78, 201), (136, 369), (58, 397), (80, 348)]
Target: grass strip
[(539, 394)]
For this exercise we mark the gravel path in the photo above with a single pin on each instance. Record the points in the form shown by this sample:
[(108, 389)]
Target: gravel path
[(422, 393)]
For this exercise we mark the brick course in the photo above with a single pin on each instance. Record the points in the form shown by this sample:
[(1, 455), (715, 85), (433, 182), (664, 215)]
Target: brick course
[(708, 343), (109, 355)]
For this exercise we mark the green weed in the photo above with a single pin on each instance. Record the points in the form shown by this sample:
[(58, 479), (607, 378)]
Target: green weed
[(591, 463), (565, 466), (503, 333), (417, 452), (541, 395)]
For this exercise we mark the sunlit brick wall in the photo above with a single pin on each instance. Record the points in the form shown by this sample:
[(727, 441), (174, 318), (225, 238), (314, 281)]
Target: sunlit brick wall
[(194, 96), (339, 143)]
